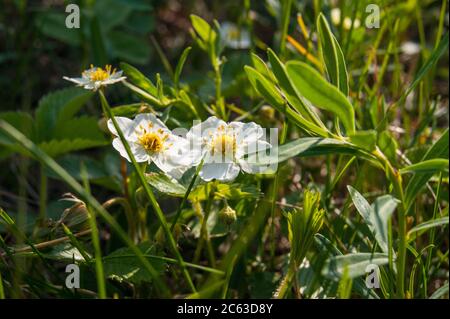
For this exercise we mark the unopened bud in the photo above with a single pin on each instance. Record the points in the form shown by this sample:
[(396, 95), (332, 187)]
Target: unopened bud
[(227, 215)]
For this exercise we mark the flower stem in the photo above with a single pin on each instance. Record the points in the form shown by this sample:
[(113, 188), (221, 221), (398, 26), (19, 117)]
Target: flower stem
[(149, 193)]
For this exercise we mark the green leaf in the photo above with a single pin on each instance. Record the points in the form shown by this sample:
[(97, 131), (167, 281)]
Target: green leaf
[(262, 67), (165, 184), (430, 166), (179, 68), (422, 228), (376, 216), (264, 87), (224, 191), (441, 292), (388, 145), (71, 129), (22, 121), (127, 110), (364, 139), (332, 55), (432, 60), (98, 43), (129, 47), (203, 29), (53, 25), (309, 83), (123, 264), (292, 96), (55, 148), (271, 94), (57, 107), (138, 79), (438, 150), (355, 263)]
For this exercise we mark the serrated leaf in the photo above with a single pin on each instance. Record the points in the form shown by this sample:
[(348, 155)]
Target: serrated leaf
[(224, 191), (56, 107), (123, 264), (53, 25), (55, 148), (310, 84)]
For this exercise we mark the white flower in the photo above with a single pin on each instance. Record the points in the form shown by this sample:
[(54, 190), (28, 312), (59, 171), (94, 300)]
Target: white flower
[(233, 37), (96, 77), (151, 141), (224, 146), (336, 19)]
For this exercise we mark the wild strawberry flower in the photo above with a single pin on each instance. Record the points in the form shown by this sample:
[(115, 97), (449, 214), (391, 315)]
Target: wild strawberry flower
[(96, 77), (223, 147), (234, 37), (151, 141)]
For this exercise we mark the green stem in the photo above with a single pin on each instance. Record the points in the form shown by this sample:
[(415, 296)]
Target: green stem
[(159, 214), (396, 180), (2, 291), (43, 194), (220, 103), (100, 274), (186, 195), (285, 284)]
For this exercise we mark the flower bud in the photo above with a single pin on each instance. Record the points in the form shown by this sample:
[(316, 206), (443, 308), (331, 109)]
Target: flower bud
[(227, 215)]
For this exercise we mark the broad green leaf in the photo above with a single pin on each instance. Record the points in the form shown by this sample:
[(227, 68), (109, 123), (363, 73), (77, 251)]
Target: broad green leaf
[(438, 150), (111, 13), (98, 43), (364, 139), (310, 84), (289, 92), (179, 68), (420, 229), (430, 166), (123, 264), (53, 25), (55, 148), (57, 107), (129, 47), (138, 79), (128, 110), (332, 55), (356, 264), (71, 129), (388, 145), (376, 215), (165, 184)]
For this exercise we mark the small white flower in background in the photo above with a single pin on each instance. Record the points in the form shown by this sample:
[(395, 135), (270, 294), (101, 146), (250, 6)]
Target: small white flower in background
[(336, 19), (410, 48), (223, 146), (151, 141), (96, 77), (234, 37)]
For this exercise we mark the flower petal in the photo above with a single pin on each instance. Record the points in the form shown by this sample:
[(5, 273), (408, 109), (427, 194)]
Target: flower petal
[(139, 153), (126, 125), (221, 171)]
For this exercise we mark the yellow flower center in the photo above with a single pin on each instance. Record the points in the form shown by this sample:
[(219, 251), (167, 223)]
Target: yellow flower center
[(224, 144), (102, 74), (151, 142)]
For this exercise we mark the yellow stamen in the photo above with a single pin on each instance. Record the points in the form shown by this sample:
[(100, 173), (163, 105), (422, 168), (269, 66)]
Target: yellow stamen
[(102, 74), (224, 144), (151, 142)]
